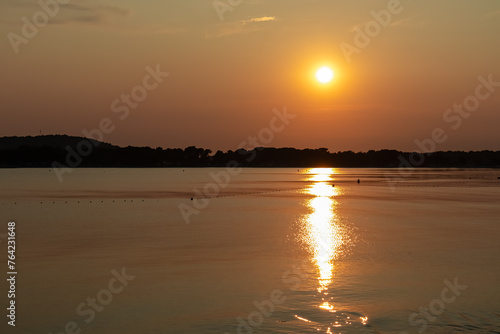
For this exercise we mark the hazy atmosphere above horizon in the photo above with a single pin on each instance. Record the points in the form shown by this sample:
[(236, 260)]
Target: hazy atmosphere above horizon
[(402, 72)]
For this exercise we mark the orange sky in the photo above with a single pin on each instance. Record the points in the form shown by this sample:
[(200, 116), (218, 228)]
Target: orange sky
[(226, 76)]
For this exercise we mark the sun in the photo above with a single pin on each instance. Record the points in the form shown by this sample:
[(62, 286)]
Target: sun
[(324, 75)]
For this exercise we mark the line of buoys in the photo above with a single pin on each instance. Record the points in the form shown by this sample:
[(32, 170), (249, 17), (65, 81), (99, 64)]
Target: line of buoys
[(78, 202)]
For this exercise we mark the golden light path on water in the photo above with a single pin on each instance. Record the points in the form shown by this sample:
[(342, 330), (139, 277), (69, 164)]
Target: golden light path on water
[(323, 234)]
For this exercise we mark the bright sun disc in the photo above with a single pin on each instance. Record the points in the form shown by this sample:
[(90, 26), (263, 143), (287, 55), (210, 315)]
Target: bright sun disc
[(324, 75)]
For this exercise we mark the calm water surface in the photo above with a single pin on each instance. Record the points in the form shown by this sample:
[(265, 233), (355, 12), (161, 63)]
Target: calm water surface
[(264, 251)]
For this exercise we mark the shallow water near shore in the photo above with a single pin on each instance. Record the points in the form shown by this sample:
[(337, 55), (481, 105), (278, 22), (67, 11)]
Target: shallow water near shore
[(257, 251)]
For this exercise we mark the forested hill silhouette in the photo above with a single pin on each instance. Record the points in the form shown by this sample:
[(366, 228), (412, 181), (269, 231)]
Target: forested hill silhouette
[(54, 141), (44, 151)]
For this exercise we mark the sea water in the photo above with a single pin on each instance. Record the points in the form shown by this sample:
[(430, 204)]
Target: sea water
[(281, 250)]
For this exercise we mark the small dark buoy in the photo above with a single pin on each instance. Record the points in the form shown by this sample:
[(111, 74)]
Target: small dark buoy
[(333, 185), (359, 181), (191, 198), (498, 177)]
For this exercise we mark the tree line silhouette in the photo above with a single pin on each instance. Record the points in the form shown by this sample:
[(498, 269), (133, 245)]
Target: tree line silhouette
[(43, 151)]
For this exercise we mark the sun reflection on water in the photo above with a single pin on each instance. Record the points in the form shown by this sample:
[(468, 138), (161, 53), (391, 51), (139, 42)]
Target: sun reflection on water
[(322, 233), (323, 236), (321, 174), (326, 239)]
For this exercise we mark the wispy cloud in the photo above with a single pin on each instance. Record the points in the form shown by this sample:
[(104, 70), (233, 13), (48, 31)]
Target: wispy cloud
[(78, 11), (240, 27), (98, 8), (90, 13), (259, 19)]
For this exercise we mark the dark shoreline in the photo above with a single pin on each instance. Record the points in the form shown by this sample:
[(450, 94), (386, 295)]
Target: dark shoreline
[(77, 152)]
